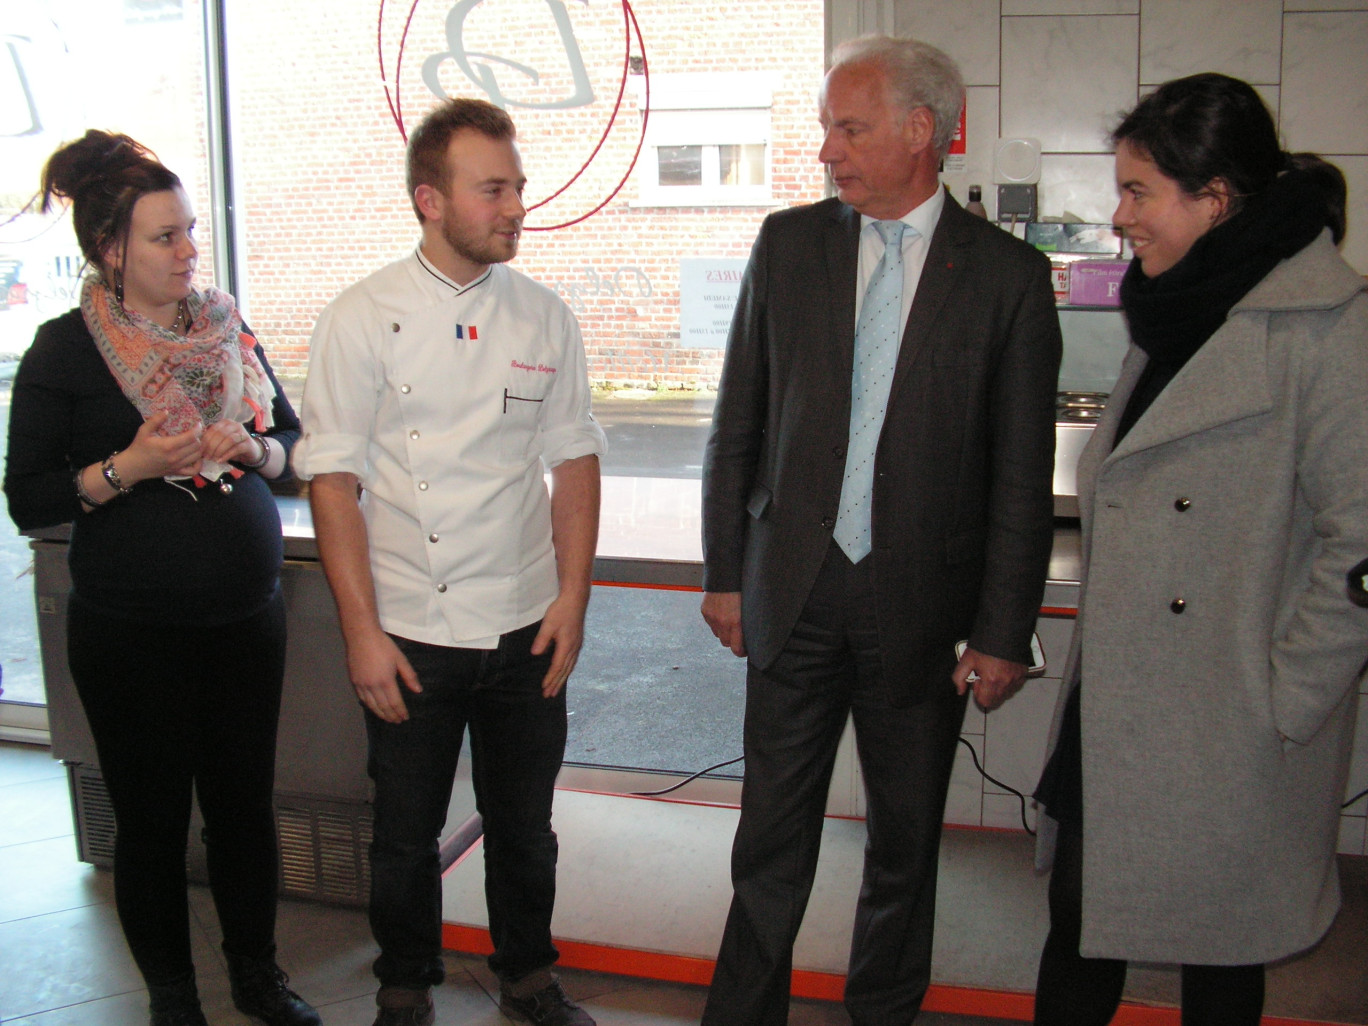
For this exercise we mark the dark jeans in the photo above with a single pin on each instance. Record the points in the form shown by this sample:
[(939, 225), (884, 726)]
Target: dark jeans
[(517, 742), (174, 709), (795, 713), (1075, 991)]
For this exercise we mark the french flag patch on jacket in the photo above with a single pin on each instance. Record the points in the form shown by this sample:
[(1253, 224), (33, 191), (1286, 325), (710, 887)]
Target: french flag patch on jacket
[(464, 331)]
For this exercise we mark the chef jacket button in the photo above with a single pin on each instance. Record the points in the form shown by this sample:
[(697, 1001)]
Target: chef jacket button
[(422, 486), (434, 538), (394, 326), (828, 522), (406, 389), (1178, 605), (441, 588), (413, 434), (1182, 505)]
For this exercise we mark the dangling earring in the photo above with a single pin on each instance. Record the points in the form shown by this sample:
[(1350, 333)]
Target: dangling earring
[(118, 285)]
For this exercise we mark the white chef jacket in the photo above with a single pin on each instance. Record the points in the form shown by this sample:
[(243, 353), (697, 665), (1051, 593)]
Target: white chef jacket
[(446, 402)]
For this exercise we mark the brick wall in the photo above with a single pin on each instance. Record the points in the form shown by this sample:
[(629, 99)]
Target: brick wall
[(320, 161)]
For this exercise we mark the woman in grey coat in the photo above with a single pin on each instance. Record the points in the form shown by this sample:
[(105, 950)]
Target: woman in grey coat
[(1202, 743)]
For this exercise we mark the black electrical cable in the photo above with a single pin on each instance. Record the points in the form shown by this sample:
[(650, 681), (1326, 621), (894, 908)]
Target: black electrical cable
[(972, 754), (1355, 798), (686, 780), (993, 780)]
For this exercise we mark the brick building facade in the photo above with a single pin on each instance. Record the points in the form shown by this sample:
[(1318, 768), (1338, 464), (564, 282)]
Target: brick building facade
[(319, 158)]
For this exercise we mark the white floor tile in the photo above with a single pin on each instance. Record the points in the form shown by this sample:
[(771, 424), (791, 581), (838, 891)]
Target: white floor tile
[(35, 810), (54, 880)]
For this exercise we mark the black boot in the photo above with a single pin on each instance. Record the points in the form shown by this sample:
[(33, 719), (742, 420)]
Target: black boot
[(259, 990), (176, 1004)]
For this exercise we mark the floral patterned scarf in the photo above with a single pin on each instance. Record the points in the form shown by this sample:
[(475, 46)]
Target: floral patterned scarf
[(210, 374)]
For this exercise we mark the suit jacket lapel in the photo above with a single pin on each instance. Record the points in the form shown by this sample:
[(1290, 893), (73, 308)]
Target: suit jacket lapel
[(945, 262), (842, 253)]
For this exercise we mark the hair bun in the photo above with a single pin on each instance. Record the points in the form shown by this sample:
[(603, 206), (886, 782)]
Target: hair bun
[(102, 175), (90, 162)]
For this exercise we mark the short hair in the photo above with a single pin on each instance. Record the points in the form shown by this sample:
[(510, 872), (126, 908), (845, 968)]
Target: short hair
[(427, 144), (1206, 127), (103, 175), (918, 75)]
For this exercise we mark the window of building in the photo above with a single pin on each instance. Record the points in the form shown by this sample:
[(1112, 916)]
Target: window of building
[(707, 140), (317, 181)]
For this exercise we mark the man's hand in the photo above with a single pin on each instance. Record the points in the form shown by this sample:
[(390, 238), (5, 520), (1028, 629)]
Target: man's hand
[(722, 611), (376, 667), (994, 680), (563, 626)]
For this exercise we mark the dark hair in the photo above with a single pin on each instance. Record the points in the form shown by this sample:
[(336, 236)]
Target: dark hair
[(1207, 127), (103, 175), (427, 144)]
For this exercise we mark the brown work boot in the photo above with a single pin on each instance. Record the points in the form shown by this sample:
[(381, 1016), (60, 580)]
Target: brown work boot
[(404, 1006), (539, 999)]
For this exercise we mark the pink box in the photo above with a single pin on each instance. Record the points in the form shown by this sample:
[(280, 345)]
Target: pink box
[(1096, 282)]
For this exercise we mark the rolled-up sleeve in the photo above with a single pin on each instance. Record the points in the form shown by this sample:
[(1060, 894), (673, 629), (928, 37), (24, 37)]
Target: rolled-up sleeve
[(569, 429), (340, 392)]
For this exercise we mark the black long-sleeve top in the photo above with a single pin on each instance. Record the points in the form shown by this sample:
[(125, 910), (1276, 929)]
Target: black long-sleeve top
[(157, 555)]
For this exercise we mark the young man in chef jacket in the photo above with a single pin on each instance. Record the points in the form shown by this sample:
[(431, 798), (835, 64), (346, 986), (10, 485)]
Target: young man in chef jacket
[(439, 389)]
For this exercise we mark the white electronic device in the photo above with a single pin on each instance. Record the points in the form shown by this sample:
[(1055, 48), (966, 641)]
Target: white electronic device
[(1016, 162), (1036, 669)]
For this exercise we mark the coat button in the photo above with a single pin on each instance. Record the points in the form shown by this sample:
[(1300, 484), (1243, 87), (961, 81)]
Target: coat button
[(413, 434), (422, 486), (434, 538), (441, 589), (838, 451), (1178, 605), (394, 326), (1182, 505), (405, 389), (828, 522)]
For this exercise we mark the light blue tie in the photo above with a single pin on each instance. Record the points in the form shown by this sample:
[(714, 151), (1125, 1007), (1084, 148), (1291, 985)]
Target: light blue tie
[(876, 356)]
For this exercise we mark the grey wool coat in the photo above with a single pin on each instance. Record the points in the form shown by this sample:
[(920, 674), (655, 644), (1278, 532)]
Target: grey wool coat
[(1217, 647)]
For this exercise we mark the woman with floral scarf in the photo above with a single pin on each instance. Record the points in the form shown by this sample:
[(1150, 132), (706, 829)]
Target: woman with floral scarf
[(150, 419)]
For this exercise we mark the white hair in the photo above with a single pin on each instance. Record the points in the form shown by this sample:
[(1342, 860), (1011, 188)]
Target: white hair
[(918, 75)]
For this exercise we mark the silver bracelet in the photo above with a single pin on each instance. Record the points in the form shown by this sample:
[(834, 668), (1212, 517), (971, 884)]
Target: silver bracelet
[(84, 495), (265, 454), (111, 474)]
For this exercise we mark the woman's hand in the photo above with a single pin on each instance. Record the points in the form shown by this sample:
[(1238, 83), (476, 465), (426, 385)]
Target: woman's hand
[(153, 454), (227, 441)]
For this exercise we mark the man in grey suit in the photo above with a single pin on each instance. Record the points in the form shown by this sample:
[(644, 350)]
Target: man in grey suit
[(870, 498)]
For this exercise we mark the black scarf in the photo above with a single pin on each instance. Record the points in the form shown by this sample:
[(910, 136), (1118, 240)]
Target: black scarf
[(1173, 314)]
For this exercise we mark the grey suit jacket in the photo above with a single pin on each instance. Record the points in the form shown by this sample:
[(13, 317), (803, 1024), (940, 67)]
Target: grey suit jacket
[(963, 507)]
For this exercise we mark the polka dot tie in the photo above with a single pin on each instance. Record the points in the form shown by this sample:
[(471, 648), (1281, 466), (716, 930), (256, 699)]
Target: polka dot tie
[(876, 356)]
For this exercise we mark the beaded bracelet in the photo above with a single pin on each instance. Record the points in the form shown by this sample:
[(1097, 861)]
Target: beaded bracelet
[(84, 495), (265, 454), (111, 474)]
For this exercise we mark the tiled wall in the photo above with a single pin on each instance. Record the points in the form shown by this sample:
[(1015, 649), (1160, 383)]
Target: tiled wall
[(1061, 71)]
